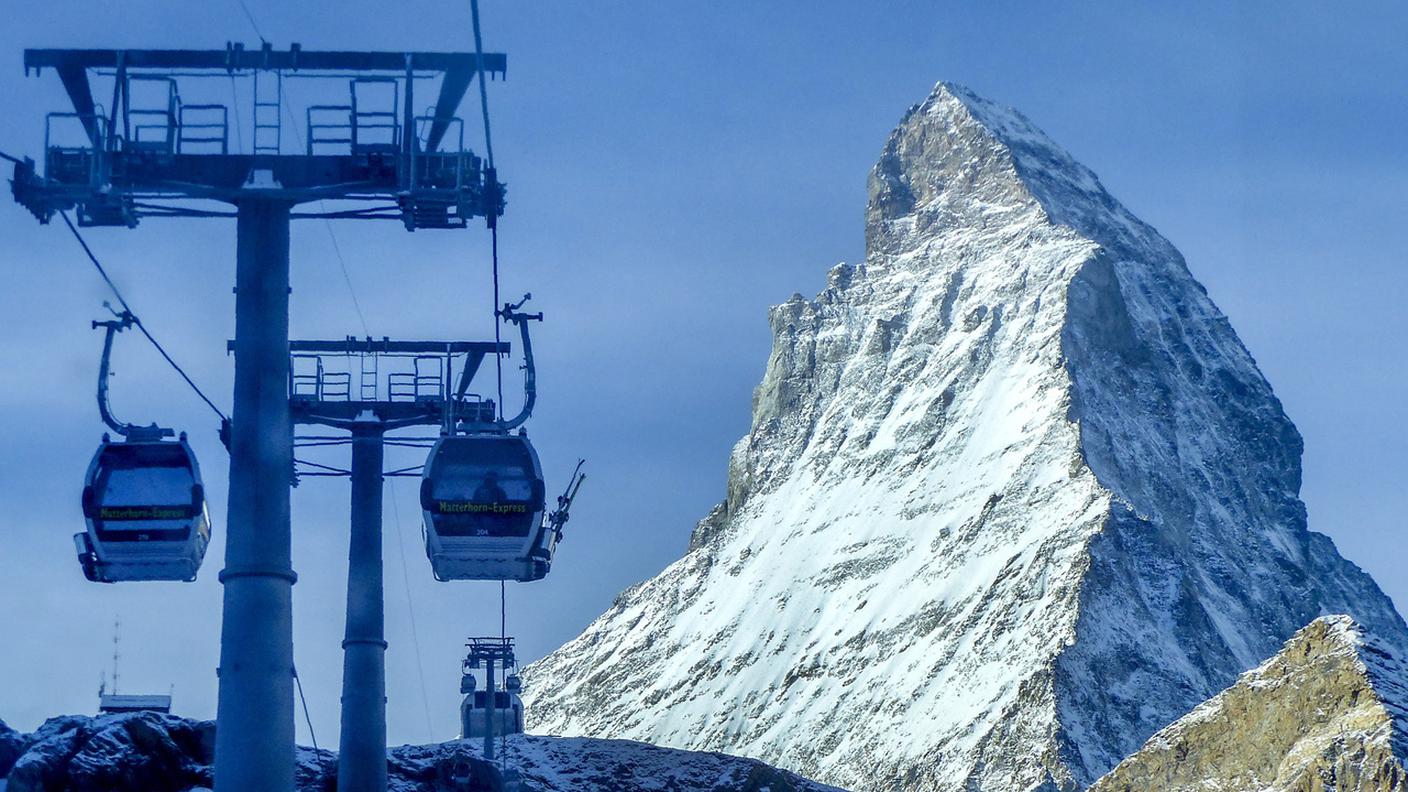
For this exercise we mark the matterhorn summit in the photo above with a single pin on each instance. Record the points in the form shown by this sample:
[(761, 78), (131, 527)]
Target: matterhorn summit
[(1015, 498)]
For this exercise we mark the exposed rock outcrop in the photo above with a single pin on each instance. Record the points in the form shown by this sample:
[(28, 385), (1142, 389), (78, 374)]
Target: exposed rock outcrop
[(1328, 713), (12, 745), (139, 752), (150, 752)]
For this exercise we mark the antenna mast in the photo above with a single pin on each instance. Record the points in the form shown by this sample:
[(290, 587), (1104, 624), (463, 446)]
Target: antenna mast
[(116, 650)]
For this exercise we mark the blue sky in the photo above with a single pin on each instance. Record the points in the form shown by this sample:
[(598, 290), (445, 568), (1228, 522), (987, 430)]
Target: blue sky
[(674, 169)]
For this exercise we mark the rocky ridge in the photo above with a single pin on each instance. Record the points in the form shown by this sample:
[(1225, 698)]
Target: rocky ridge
[(1328, 712), (151, 752), (1014, 498)]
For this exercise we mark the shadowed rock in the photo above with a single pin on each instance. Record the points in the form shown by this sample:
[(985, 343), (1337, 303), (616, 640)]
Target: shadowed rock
[(12, 745)]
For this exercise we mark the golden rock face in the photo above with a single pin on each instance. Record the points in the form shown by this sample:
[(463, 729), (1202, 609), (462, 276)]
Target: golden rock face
[(1326, 714)]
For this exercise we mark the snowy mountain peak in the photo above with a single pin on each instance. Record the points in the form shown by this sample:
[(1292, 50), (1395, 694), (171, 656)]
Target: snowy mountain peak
[(1015, 496), (957, 157)]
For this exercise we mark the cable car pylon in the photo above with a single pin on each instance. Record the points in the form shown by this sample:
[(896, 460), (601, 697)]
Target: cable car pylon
[(174, 160), (132, 161), (372, 388)]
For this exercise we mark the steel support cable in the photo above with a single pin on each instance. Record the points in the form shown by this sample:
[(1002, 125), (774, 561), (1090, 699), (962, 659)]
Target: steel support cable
[(492, 219), (483, 90), (308, 719), (167, 357), (498, 325), (339, 471), (395, 509), (252, 23), (491, 212), (410, 608), (342, 263), (503, 635), (336, 248), (235, 105), (299, 682), (136, 321)]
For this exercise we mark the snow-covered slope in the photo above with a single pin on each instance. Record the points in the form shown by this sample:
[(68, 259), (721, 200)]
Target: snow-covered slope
[(1328, 713), (1015, 497), (149, 752)]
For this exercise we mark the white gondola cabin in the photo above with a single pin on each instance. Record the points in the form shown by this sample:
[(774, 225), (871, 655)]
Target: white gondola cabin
[(483, 500), (506, 713), (144, 504)]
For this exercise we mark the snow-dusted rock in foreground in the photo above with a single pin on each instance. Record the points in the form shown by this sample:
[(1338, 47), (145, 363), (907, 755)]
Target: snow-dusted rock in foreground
[(562, 764), (1329, 713), (1015, 497), (12, 745), (150, 752), (139, 752)]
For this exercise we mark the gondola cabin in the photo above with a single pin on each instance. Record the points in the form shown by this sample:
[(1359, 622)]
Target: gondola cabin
[(506, 713), (144, 504), (483, 500)]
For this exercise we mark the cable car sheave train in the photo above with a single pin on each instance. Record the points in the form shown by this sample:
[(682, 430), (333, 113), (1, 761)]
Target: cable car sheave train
[(143, 498), (483, 496)]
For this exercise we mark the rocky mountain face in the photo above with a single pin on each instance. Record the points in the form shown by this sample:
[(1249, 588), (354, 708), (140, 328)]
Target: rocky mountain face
[(12, 746), (115, 753), (1014, 498), (1329, 712), (150, 752)]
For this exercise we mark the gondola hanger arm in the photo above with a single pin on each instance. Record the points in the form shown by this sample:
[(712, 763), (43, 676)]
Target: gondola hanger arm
[(510, 313), (124, 319)]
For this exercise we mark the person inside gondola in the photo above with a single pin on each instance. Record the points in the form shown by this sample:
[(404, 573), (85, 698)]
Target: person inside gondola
[(489, 490)]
